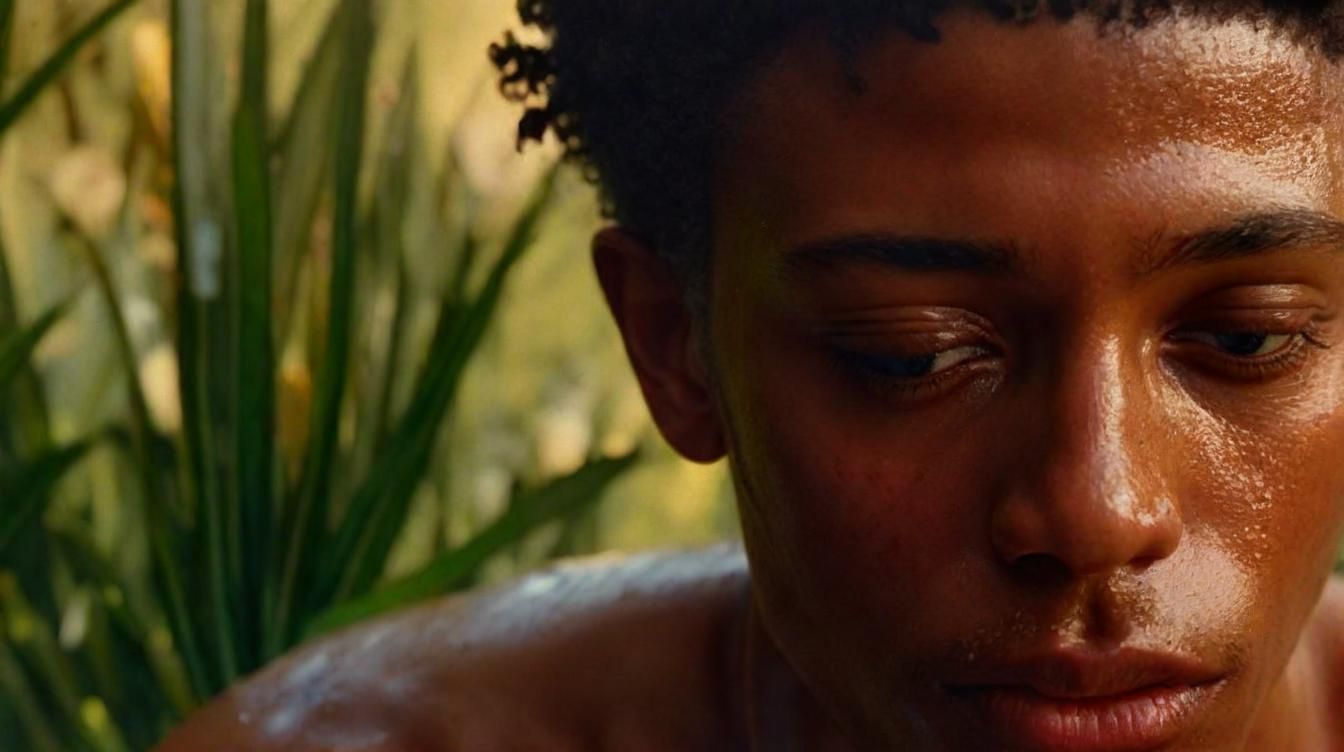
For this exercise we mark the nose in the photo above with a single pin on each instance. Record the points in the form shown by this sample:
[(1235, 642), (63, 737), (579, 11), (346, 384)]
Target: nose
[(1087, 494)]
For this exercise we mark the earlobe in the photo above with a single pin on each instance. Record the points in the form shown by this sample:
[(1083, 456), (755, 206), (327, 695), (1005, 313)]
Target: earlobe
[(646, 300)]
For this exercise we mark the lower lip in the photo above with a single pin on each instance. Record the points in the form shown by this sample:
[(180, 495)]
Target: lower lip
[(1020, 717)]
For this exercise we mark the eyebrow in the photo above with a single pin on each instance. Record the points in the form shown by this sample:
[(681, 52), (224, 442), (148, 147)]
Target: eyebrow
[(1248, 235), (906, 253), (1252, 235)]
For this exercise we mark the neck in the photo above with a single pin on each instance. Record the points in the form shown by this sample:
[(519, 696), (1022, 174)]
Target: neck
[(1293, 716), (779, 713)]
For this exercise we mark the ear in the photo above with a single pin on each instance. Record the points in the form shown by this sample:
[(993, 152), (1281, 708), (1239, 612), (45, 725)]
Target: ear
[(645, 297)]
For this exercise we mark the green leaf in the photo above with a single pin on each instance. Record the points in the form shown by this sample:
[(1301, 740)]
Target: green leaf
[(19, 692), (133, 635), (49, 71), (559, 499), (90, 565), (305, 151), (199, 241), (34, 638), (6, 36), (24, 422), (378, 509), (254, 380), (308, 526), (17, 349), (8, 314), (387, 224), (162, 532), (25, 489)]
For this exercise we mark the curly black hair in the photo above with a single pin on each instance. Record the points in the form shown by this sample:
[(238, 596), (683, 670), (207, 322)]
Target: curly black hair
[(633, 88)]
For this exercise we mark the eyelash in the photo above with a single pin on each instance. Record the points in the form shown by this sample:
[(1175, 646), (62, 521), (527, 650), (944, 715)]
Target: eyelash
[(1281, 362), (871, 369), (874, 368)]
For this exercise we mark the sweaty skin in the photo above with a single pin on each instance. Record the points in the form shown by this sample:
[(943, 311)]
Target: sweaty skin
[(1029, 361)]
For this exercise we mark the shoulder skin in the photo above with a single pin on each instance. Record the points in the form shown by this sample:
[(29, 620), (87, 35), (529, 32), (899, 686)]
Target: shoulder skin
[(1329, 628), (602, 654)]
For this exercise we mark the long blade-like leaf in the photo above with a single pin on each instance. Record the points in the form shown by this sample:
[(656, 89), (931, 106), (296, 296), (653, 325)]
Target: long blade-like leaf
[(387, 225), (305, 154), (49, 71), (20, 692), (6, 36), (310, 518), (89, 565), (254, 383), (199, 241), (455, 569), (16, 351), (24, 428), (56, 674), (23, 408), (167, 569), (24, 490), (379, 508)]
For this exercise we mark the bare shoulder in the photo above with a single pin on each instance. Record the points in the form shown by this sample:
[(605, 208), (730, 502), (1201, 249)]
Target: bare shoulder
[(590, 655), (1329, 625), (1329, 631)]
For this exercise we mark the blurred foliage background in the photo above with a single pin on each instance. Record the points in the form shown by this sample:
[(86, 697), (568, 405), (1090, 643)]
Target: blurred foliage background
[(201, 199)]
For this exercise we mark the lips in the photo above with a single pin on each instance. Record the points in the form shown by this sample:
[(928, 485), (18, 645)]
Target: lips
[(1068, 700)]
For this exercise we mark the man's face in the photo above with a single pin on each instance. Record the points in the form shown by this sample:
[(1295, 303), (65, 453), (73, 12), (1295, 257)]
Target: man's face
[(1030, 361)]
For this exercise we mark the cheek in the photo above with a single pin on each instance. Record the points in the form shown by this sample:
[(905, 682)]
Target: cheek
[(1268, 476), (873, 511), (1263, 489)]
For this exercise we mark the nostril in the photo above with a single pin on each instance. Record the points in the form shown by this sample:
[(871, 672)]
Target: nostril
[(1142, 563), (1041, 567)]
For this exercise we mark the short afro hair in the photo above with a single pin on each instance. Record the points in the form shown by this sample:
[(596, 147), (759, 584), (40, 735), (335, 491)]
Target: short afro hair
[(633, 89)]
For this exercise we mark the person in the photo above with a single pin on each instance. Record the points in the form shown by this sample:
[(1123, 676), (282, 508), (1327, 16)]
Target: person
[(1020, 326)]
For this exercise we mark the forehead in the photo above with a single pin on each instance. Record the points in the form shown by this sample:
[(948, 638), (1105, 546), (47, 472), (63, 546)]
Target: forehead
[(1225, 112)]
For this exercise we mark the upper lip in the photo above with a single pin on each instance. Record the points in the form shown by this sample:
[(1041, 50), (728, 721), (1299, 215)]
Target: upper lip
[(1076, 674)]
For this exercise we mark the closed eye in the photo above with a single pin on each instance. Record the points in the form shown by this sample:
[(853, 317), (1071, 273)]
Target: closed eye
[(1242, 344), (916, 367)]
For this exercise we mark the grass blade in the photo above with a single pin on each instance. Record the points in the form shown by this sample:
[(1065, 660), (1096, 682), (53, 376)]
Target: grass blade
[(25, 490), (16, 350), (380, 426), (254, 383), (560, 498), (54, 66), (167, 570), (89, 564), (23, 407), (24, 438), (156, 699), (199, 242), (19, 691), (35, 640), (311, 511), (376, 513), (387, 226), (305, 149), (6, 36)]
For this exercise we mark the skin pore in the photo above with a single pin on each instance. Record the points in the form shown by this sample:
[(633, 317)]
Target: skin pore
[(1029, 363)]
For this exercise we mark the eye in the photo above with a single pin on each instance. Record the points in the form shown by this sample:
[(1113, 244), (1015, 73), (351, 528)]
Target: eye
[(1242, 344), (910, 357), (916, 367), (1249, 355)]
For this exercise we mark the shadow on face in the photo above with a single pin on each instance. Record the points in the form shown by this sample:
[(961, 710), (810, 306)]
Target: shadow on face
[(1027, 352)]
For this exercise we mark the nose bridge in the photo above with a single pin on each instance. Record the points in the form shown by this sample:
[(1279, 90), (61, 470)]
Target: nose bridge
[(1089, 492), (1092, 430)]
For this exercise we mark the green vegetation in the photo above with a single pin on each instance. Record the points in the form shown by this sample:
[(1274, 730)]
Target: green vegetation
[(253, 544)]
